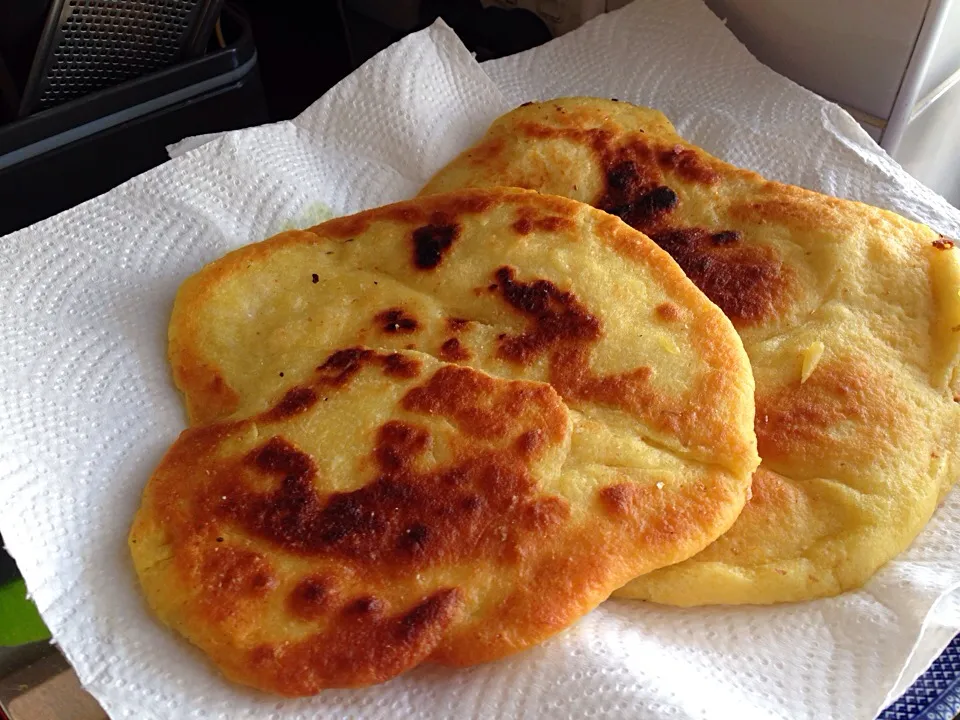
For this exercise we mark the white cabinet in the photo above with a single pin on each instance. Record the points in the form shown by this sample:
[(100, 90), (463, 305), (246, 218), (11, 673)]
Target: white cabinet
[(930, 146), (945, 58), (894, 64), (850, 51)]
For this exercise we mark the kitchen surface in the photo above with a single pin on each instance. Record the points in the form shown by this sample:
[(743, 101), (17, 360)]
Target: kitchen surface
[(101, 107)]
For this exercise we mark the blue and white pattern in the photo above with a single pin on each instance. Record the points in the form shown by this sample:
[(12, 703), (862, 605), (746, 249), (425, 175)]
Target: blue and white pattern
[(935, 695)]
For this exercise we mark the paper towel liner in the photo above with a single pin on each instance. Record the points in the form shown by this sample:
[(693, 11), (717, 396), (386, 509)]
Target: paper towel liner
[(88, 407)]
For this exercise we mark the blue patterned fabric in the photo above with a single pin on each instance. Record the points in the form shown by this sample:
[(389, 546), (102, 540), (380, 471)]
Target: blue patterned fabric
[(935, 695)]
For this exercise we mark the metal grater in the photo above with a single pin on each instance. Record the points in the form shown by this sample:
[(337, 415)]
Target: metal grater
[(88, 45)]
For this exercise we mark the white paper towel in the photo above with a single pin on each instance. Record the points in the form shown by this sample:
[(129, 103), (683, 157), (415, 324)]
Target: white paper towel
[(87, 405)]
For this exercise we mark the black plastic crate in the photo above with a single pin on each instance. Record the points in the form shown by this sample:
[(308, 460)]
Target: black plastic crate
[(89, 45), (54, 159)]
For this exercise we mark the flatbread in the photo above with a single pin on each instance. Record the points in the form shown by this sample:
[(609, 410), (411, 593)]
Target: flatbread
[(444, 429), (850, 316)]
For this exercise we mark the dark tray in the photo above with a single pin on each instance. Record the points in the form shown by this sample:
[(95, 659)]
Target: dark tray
[(57, 158)]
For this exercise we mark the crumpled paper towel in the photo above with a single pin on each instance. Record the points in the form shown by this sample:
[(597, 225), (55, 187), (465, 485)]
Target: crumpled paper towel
[(87, 407)]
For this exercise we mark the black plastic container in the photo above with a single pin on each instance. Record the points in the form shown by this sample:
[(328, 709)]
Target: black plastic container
[(57, 158), (89, 45)]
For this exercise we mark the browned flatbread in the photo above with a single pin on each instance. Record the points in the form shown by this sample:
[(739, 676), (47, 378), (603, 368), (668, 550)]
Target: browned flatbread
[(443, 429), (850, 316)]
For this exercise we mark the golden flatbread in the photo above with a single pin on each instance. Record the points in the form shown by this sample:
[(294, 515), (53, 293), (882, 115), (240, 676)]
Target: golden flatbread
[(850, 316), (444, 429)]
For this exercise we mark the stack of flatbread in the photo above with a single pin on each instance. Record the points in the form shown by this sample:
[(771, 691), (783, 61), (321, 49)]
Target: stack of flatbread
[(445, 429)]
